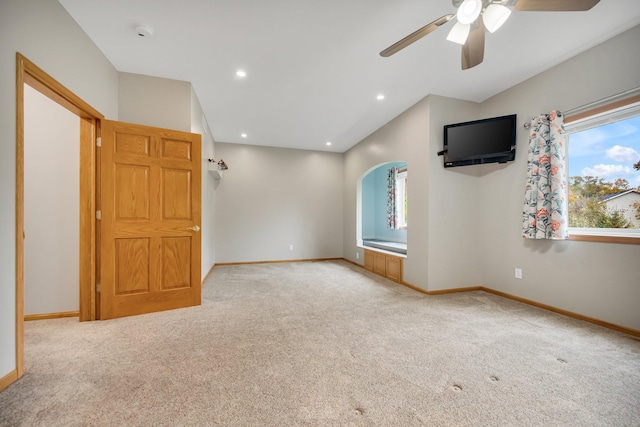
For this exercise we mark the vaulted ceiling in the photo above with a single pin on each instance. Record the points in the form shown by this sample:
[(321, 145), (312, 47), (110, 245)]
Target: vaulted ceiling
[(313, 69)]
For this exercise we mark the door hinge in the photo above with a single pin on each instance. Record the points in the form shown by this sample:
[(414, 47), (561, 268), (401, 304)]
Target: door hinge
[(97, 287), (98, 214), (98, 142)]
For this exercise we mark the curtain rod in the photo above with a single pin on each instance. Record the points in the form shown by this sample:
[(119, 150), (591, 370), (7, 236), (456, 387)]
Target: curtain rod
[(613, 98)]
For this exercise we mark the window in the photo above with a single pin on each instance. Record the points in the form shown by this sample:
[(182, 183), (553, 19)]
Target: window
[(401, 191), (604, 173)]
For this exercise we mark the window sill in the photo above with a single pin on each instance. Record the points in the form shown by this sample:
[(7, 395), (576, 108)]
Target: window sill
[(603, 236)]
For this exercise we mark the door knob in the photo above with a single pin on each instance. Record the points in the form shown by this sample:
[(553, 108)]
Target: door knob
[(194, 228)]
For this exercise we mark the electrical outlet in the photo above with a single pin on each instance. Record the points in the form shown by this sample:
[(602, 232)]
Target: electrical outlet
[(357, 255), (518, 273), (290, 247)]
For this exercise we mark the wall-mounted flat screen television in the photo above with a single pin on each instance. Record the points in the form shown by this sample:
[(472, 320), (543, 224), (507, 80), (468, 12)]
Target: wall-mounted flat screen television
[(481, 141)]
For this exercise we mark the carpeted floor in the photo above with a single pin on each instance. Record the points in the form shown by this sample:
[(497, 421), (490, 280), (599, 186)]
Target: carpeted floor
[(326, 344)]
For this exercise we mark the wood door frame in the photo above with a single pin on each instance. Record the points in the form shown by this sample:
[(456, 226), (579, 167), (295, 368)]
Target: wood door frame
[(29, 73)]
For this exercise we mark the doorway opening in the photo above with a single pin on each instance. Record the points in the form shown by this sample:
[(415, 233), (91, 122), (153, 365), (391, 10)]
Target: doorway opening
[(51, 206), (30, 74)]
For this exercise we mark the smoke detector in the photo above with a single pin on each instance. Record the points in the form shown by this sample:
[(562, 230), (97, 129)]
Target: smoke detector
[(144, 31)]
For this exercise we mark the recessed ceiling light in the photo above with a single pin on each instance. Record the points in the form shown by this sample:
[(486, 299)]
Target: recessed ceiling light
[(241, 73), (244, 135), (328, 143), (380, 97)]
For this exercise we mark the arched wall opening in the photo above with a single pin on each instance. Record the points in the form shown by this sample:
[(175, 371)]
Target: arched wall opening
[(371, 208)]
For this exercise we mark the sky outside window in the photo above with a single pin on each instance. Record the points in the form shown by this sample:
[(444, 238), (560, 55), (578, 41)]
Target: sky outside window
[(608, 151)]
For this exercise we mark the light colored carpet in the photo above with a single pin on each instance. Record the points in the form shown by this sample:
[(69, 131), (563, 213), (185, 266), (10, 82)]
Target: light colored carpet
[(326, 344)]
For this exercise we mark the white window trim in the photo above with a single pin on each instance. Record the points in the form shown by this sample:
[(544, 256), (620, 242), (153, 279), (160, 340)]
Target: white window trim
[(400, 182), (603, 118), (613, 232), (600, 116)]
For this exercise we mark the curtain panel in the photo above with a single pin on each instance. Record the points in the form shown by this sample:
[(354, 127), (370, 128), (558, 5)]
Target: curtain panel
[(392, 198), (545, 213)]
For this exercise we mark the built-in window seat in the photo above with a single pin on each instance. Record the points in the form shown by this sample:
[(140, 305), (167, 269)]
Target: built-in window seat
[(384, 263), (397, 247)]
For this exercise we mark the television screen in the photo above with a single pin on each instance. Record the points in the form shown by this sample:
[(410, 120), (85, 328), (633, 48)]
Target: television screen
[(480, 141)]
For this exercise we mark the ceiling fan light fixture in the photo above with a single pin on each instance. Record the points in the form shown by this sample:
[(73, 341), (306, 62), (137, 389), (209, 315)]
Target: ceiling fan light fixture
[(459, 33), (494, 16), (469, 11)]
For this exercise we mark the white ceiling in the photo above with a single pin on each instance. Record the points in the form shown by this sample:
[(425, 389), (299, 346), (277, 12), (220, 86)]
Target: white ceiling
[(313, 67)]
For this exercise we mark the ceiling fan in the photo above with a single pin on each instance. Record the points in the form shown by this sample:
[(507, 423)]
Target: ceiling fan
[(474, 16)]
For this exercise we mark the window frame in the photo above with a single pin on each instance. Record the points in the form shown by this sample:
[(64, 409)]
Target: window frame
[(403, 176), (599, 234)]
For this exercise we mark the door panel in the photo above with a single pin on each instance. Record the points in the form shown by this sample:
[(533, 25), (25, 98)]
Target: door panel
[(132, 144), (176, 194), (132, 266), (134, 203), (176, 252), (394, 268), (150, 181), (180, 150), (379, 264), (368, 260)]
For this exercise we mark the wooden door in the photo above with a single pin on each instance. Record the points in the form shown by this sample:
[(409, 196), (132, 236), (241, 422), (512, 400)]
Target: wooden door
[(150, 240)]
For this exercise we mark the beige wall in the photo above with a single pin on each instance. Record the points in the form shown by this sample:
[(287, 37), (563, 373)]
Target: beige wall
[(600, 280), (271, 198), (438, 199), (43, 32), (199, 125), (154, 101), (452, 234), (51, 206)]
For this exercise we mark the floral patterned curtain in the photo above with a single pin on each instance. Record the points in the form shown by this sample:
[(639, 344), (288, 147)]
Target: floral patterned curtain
[(392, 198), (545, 214)]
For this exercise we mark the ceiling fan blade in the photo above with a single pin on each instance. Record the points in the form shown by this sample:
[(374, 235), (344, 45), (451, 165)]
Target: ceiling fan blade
[(473, 49), (416, 35), (555, 5)]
